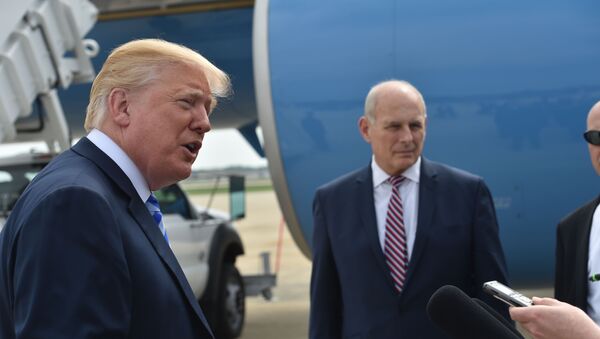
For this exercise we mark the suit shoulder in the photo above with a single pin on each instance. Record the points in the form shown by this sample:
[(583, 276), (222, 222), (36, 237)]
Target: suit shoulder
[(56, 202), (345, 180), (579, 216), (450, 172), (71, 169), (65, 173)]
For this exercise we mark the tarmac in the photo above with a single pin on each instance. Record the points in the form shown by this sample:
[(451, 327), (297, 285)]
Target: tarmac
[(286, 315)]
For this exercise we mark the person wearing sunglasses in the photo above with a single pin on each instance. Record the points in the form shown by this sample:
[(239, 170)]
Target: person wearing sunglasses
[(578, 241)]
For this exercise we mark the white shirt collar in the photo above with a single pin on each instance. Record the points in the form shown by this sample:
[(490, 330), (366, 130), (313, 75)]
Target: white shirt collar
[(413, 173), (116, 153)]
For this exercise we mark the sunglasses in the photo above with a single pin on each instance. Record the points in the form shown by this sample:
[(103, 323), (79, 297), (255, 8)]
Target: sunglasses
[(592, 137)]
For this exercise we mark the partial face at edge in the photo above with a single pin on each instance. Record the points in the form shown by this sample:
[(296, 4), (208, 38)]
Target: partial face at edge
[(593, 123)]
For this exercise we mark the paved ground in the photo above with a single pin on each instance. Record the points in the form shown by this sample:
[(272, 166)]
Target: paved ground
[(286, 316)]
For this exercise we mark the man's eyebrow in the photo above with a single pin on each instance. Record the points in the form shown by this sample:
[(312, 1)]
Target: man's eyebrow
[(192, 93)]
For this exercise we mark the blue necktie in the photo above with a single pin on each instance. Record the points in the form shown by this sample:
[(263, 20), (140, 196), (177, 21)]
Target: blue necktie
[(154, 209)]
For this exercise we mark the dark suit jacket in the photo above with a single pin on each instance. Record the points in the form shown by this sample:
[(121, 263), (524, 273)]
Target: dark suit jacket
[(352, 292), (572, 248), (81, 257)]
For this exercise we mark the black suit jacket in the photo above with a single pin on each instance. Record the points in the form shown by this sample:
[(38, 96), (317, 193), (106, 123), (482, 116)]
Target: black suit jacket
[(572, 248), (352, 292), (81, 257)]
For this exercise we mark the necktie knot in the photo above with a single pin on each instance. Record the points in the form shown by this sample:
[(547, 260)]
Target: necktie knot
[(152, 203), (396, 180), (154, 208)]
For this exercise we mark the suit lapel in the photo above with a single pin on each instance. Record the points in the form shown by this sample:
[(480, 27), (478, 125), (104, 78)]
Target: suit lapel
[(427, 192), (582, 239), (143, 218), (147, 224), (366, 204)]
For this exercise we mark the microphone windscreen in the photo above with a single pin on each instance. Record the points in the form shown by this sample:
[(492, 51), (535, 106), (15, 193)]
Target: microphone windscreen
[(498, 316), (461, 317)]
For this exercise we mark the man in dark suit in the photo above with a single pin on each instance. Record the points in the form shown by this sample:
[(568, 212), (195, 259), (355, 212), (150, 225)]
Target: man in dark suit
[(84, 253), (387, 236), (578, 241)]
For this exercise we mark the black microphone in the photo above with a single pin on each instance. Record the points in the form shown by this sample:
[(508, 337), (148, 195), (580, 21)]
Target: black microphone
[(498, 316), (461, 317)]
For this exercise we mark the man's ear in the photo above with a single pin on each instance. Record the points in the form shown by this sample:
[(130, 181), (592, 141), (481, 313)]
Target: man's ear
[(363, 127), (118, 106)]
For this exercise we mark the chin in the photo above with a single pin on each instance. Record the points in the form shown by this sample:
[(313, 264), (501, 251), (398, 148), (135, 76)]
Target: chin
[(404, 164), (187, 173), (184, 174), (179, 173)]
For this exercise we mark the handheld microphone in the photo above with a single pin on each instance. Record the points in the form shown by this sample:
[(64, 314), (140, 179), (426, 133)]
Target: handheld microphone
[(462, 317), (498, 316)]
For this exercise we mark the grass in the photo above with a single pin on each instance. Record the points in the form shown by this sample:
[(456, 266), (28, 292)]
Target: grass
[(221, 190)]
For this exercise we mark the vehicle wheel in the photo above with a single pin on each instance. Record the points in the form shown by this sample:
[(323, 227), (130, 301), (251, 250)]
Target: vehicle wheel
[(231, 304)]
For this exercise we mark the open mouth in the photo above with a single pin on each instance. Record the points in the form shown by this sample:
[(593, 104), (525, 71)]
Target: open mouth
[(193, 147)]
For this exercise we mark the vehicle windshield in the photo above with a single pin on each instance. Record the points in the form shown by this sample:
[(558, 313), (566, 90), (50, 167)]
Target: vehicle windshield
[(13, 181), (15, 178)]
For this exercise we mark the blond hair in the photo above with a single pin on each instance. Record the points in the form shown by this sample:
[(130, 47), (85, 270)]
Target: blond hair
[(134, 64)]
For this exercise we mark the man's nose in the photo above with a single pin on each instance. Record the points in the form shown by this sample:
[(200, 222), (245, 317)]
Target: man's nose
[(200, 122), (405, 134)]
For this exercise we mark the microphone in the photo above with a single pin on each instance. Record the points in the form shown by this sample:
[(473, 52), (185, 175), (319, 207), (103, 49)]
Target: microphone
[(462, 317), (498, 316)]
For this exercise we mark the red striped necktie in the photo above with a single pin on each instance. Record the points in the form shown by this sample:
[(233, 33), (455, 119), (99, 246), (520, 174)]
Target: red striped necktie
[(395, 247)]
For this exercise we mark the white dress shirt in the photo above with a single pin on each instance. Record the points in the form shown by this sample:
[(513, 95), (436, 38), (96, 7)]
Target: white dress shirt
[(409, 193), (110, 148), (593, 298)]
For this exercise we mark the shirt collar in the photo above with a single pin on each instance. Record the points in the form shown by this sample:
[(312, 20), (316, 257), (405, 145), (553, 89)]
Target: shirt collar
[(413, 173), (116, 153)]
